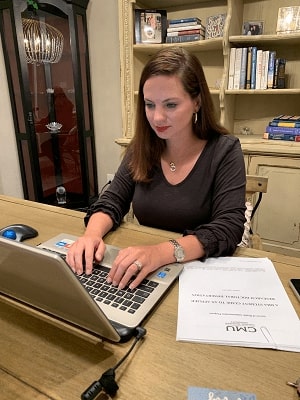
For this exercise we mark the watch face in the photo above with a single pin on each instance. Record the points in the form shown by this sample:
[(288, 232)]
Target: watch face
[(179, 254)]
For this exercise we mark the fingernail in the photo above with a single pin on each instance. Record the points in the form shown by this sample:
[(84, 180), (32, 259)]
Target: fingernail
[(109, 280)]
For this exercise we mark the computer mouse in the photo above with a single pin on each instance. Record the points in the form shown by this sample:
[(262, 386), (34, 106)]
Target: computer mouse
[(18, 232)]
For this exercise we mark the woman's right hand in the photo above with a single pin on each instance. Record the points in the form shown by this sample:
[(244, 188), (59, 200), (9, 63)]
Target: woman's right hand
[(84, 252)]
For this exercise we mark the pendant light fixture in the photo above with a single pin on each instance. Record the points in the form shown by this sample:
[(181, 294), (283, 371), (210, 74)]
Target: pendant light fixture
[(43, 43)]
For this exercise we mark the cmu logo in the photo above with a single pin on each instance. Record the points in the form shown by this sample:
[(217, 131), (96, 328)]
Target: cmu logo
[(237, 328)]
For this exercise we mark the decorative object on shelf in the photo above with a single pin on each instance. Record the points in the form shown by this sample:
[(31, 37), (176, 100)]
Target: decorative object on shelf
[(43, 43), (150, 26), (215, 26), (253, 28), (288, 20), (54, 126)]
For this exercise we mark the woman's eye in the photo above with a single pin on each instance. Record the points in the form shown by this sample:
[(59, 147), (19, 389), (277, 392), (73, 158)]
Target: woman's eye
[(171, 105), (149, 105)]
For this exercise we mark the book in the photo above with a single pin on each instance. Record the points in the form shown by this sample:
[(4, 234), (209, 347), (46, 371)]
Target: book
[(249, 63), (199, 393), (231, 68), (253, 67), (258, 71), (184, 38), (280, 78), (185, 28), (264, 74), (237, 68), (188, 32), (288, 20), (215, 26), (283, 120), (150, 26), (283, 129), (281, 136), (243, 68), (271, 68), (184, 21)]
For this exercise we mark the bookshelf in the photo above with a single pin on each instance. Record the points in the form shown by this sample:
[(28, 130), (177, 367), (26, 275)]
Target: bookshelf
[(236, 109)]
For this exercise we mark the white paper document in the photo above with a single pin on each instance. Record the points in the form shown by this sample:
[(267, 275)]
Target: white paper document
[(236, 301)]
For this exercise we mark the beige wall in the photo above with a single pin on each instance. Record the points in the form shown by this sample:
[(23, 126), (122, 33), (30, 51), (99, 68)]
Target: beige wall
[(102, 16)]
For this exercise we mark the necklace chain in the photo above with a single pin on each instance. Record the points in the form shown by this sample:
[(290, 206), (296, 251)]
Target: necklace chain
[(172, 166)]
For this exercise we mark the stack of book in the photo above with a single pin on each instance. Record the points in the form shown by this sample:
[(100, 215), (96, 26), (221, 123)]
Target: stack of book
[(253, 68), (185, 30), (284, 127)]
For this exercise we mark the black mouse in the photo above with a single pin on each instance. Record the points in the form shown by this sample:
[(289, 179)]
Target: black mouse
[(18, 232)]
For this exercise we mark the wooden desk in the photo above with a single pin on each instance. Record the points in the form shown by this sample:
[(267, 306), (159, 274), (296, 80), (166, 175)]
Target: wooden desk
[(40, 361)]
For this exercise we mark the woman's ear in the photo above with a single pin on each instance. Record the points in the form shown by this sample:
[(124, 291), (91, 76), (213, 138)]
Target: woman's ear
[(197, 103)]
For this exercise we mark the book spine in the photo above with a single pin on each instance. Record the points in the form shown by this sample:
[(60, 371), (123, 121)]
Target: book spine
[(282, 136), (248, 74), (283, 129), (231, 68), (190, 32), (264, 74), (237, 68), (243, 68), (281, 73), (285, 124), (271, 66), (258, 72), (185, 28), (253, 67), (185, 21), (184, 38)]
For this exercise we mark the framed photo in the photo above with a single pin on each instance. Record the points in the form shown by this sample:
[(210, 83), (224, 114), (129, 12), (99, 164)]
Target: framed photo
[(253, 28), (288, 20), (150, 26), (215, 26)]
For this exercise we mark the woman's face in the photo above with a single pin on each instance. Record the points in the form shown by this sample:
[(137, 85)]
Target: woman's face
[(169, 108)]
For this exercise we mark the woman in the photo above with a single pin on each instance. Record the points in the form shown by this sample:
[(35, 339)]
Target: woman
[(182, 172)]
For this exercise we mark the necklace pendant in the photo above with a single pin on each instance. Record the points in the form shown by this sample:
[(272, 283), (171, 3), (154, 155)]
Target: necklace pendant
[(172, 167)]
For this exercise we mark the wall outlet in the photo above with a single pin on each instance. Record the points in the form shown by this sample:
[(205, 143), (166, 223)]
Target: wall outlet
[(110, 177)]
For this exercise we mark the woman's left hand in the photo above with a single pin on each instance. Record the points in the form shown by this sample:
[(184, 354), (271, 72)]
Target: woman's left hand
[(133, 264)]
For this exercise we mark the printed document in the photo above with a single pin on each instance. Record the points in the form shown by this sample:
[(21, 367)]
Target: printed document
[(236, 301)]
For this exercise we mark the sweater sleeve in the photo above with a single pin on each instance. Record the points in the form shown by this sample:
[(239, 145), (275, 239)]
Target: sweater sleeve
[(222, 234), (116, 199)]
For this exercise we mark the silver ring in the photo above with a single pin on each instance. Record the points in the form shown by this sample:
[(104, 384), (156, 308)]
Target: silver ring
[(138, 264)]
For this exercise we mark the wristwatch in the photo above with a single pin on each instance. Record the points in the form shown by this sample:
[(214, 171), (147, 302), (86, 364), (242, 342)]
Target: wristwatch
[(178, 251)]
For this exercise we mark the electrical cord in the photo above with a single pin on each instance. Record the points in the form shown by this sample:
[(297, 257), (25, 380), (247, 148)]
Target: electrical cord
[(107, 382)]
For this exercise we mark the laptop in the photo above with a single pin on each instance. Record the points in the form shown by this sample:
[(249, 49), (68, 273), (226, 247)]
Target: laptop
[(39, 278)]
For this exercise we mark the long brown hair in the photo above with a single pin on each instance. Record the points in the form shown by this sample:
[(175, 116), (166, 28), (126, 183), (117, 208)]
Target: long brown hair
[(146, 147)]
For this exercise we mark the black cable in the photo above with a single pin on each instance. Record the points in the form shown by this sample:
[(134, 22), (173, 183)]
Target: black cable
[(107, 380)]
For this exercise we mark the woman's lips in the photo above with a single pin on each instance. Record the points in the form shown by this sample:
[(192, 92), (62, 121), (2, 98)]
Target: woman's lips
[(161, 128)]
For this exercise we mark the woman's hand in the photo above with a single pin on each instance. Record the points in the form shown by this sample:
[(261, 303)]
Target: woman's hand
[(134, 264), (84, 252)]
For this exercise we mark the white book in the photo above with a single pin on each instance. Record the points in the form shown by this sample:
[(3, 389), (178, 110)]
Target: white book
[(237, 68), (259, 55), (185, 28), (264, 74), (231, 68)]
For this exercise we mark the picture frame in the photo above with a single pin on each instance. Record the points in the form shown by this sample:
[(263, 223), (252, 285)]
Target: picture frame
[(215, 26), (288, 20), (251, 28), (150, 26)]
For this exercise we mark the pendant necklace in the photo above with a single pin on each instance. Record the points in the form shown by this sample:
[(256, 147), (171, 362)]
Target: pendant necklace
[(172, 166)]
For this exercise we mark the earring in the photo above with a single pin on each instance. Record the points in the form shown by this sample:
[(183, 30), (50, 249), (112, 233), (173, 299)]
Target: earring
[(195, 117)]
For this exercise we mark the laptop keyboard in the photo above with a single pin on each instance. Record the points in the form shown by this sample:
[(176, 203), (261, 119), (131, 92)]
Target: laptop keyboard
[(125, 299)]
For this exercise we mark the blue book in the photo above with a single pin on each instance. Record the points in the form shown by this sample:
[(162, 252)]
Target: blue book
[(253, 67), (282, 136), (283, 129), (191, 20)]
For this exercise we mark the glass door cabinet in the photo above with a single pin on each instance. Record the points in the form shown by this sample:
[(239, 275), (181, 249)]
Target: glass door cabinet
[(47, 63)]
